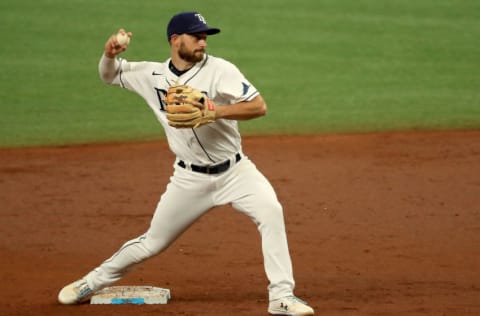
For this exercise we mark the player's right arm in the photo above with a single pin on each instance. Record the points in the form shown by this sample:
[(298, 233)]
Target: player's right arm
[(109, 66)]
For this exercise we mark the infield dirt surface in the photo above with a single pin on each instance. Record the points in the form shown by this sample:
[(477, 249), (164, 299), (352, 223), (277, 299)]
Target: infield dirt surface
[(378, 224)]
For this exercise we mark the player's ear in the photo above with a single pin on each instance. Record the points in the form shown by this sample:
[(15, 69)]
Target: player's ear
[(174, 38)]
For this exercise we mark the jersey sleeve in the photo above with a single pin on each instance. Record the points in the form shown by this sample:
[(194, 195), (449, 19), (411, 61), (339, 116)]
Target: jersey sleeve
[(129, 75), (232, 85)]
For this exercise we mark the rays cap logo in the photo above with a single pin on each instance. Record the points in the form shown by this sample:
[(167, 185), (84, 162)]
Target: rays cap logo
[(189, 23)]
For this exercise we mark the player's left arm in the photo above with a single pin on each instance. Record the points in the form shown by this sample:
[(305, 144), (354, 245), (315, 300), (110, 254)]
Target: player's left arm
[(246, 102), (245, 110), (188, 107)]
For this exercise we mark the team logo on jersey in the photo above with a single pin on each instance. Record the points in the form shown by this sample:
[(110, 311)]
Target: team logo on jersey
[(201, 18), (245, 88)]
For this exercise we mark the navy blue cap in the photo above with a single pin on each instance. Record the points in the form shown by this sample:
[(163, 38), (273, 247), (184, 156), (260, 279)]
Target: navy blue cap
[(189, 23)]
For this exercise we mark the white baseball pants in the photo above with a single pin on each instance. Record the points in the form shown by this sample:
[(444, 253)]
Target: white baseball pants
[(188, 196)]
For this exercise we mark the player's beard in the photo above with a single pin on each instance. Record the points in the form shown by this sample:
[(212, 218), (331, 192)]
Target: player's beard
[(190, 56)]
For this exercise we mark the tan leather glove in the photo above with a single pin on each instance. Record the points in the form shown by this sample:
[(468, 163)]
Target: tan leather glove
[(182, 112)]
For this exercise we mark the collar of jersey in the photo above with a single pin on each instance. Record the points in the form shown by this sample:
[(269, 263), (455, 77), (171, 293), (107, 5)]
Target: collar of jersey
[(178, 73)]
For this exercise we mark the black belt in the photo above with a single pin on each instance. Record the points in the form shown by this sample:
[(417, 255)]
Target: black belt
[(215, 169)]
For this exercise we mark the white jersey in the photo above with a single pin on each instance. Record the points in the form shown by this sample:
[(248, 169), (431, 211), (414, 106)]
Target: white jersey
[(219, 79)]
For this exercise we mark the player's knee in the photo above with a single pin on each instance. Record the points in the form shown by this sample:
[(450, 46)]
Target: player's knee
[(155, 245), (271, 214), (276, 208)]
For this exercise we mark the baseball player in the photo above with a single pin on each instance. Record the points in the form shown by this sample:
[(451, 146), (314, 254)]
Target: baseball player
[(198, 99)]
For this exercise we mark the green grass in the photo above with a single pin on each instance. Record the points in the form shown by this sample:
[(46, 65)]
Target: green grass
[(322, 66)]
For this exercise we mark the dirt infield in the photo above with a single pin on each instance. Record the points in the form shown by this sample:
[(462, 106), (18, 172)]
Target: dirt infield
[(378, 224)]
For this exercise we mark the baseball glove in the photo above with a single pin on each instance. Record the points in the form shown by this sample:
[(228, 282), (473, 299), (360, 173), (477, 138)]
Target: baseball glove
[(188, 107)]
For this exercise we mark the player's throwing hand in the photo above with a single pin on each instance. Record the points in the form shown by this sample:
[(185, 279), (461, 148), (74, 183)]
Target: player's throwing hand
[(117, 43)]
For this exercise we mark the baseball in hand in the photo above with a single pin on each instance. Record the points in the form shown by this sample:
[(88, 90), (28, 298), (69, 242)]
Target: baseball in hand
[(123, 39)]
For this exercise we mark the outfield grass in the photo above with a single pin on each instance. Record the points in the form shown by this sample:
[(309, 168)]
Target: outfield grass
[(323, 66)]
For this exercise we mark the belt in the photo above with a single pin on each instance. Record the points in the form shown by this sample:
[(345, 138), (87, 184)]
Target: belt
[(214, 169)]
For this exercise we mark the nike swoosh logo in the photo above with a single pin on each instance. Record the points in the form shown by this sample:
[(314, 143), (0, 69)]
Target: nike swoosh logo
[(156, 74)]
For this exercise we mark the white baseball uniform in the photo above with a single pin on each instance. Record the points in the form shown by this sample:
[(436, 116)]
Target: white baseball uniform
[(194, 187)]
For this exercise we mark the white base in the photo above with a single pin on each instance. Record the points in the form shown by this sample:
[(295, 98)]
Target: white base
[(131, 295)]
